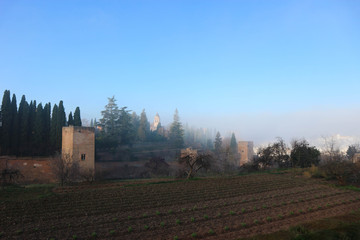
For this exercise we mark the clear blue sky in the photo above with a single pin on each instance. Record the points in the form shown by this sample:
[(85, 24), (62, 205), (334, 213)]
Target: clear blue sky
[(230, 65)]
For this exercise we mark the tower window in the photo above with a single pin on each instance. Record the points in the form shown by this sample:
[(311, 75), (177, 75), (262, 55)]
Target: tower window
[(83, 156)]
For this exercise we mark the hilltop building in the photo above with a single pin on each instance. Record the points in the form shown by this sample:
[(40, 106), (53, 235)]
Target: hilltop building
[(246, 151), (154, 126)]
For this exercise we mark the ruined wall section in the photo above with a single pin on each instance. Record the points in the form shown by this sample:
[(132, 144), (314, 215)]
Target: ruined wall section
[(34, 170)]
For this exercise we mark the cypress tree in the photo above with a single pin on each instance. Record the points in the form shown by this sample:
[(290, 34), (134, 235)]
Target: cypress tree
[(23, 126), (38, 138), (6, 123), (53, 128), (144, 127), (46, 124), (61, 122), (77, 117), (14, 127), (32, 114), (233, 144), (70, 120)]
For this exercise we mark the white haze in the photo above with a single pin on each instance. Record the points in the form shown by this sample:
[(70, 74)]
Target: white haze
[(343, 125)]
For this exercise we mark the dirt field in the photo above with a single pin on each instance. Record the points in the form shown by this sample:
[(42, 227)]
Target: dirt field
[(214, 208)]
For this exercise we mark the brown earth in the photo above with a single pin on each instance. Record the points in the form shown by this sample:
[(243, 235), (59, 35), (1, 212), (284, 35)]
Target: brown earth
[(212, 208)]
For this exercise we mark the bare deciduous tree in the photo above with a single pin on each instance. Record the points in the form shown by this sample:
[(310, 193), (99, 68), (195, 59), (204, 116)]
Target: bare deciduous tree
[(193, 162), (65, 168)]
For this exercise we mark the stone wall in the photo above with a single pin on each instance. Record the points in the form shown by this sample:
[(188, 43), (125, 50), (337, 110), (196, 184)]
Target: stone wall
[(33, 170)]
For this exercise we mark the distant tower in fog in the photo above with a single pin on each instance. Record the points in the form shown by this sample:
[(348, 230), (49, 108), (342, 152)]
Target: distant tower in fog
[(246, 150), (155, 124)]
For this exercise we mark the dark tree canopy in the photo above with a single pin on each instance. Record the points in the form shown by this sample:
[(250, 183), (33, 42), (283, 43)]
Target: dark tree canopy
[(352, 149), (6, 116), (302, 155), (274, 154), (70, 120), (30, 129), (77, 117), (126, 130)]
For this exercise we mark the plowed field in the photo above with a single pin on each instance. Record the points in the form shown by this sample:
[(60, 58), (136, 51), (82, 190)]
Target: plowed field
[(212, 208)]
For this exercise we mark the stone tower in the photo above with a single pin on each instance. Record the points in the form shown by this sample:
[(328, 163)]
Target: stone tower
[(246, 151), (155, 124), (79, 144)]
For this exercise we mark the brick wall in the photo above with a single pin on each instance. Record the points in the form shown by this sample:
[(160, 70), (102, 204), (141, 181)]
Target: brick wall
[(34, 169)]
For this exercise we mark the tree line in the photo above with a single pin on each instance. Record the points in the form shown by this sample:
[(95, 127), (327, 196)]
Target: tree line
[(32, 129), (120, 126)]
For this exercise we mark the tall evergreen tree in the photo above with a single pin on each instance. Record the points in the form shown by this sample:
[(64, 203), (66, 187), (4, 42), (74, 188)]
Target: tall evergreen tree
[(218, 143), (110, 118), (6, 123), (38, 139), (233, 144), (70, 120), (14, 126), (77, 117), (127, 132), (53, 128), (32, 114), (176, 134), (47, 124), (135, 120), (23, 126), (61, 122), (144, 127)]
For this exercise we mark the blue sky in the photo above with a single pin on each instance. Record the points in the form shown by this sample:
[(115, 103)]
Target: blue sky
[(253, 67)]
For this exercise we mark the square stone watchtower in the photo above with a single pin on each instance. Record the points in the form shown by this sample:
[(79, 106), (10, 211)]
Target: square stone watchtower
[(79, 144), (246, 150)]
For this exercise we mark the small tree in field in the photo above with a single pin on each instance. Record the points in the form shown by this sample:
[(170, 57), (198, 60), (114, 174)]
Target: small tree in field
[(193, 162), (65, 168)]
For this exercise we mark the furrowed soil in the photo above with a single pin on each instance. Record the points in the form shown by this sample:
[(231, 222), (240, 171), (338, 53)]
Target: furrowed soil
[(210, 208)]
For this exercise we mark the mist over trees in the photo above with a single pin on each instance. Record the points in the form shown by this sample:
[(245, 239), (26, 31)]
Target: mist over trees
[(32, 129), (122, 127)]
